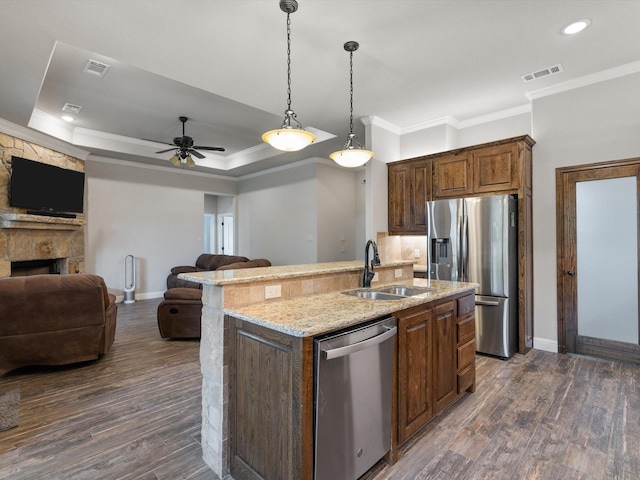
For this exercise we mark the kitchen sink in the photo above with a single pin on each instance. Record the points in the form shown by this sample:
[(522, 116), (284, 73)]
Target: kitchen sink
[(404, 290), (374, 295), (393, 292)]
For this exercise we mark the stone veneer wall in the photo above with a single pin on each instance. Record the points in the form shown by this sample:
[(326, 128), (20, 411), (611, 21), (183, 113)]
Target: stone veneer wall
[(33, 239)]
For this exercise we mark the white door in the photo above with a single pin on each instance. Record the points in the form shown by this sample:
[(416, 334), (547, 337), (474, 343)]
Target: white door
[(225, 234)]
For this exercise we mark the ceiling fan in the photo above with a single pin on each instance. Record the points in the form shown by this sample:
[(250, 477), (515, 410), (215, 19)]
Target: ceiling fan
[(184, 148)]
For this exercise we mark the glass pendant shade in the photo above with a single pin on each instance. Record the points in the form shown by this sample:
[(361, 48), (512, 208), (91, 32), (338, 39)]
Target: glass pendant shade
[(353, 154), (289, 139), (352, 157), (175, 160)]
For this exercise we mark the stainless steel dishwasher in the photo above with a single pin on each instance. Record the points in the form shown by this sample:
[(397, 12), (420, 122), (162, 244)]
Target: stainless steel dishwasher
[(353, 375)]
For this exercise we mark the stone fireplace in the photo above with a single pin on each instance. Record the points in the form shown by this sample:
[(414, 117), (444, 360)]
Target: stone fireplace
[(26, 237)]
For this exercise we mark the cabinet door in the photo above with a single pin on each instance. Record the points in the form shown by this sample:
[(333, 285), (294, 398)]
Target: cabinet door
[(398, 191), (409, 190), (444, 355), (415, 395), (420, 193), (495, 169), (452, 176)]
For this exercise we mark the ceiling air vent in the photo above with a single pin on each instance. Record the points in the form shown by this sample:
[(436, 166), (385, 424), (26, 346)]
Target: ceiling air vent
[(545, 72), (95, 67), (70, 107)]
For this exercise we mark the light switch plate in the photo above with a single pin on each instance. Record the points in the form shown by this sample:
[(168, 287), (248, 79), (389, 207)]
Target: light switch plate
[(416, 253), (397, 272)]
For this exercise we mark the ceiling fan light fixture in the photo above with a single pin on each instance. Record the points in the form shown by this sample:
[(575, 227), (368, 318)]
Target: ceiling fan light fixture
[(291, 136), (353, 154), (175, 160), (189, 161)]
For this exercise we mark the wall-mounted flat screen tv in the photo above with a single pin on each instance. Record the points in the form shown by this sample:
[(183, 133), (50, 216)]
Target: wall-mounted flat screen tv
[(45, 189)]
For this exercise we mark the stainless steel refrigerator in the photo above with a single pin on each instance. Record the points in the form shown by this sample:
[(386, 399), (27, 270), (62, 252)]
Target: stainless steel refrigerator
[(475, 240)]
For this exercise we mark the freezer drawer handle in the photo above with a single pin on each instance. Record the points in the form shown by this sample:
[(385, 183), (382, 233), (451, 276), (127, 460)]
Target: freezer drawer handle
[(488, 303), (356, 347)]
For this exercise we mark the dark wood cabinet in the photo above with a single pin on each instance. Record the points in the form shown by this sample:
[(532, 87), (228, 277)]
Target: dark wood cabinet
[(444, 356), (409, 189), (501, 167), (436, 360), (415, 393), (452, 176), (495, 169), (271, 403)]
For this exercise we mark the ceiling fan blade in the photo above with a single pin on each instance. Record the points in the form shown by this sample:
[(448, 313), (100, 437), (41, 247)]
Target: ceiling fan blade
[(214, 149), (196, 154), (167, 150), (155, 141)]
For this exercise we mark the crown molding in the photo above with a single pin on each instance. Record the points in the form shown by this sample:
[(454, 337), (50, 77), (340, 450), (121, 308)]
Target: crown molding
[(492, 117)]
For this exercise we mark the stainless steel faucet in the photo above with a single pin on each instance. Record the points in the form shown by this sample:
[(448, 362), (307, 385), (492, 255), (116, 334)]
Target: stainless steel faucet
[(368, 274)]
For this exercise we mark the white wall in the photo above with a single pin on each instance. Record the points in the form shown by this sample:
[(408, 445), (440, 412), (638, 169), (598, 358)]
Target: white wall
[(336, 214), (298, 215), (591, 124), (155, 215), (277, 216)]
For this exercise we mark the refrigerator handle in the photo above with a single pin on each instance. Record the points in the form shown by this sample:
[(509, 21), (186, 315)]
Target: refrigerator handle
[(463, 267)]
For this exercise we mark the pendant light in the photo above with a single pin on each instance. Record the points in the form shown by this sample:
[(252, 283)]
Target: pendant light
[(353, 155), (291, 136)]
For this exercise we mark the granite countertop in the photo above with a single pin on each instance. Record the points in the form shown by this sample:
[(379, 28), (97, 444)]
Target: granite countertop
[(248, 275), (312, 315)]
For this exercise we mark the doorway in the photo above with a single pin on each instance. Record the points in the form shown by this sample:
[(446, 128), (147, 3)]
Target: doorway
[(597, 263)]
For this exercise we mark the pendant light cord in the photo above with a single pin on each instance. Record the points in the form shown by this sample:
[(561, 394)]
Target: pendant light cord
[(351, 92), (288, 62)]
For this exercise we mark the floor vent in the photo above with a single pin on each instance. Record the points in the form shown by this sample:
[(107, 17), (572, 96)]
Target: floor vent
[(545, 72), (95, 67)]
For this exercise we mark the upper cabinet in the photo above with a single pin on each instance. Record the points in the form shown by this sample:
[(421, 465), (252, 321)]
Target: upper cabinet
[(492, 168), (495, 169), (409, 190), (452, 175)]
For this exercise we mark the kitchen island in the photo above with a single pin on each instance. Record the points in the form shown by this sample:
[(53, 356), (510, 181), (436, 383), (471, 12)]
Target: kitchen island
[(257, 357)]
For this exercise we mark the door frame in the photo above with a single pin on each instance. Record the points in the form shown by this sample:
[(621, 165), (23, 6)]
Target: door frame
[(566, 259)]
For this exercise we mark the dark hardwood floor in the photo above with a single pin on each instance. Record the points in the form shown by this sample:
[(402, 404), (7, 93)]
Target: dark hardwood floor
[(135, 414), (132, 414)]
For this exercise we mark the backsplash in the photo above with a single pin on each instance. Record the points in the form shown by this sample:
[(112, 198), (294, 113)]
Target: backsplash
[(402, 247)]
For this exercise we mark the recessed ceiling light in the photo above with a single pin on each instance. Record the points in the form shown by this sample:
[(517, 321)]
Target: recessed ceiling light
[(576, 27), (67, 118)]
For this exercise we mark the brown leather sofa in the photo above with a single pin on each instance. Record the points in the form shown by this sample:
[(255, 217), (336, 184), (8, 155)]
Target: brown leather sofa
[(208, 262), (54, 320)]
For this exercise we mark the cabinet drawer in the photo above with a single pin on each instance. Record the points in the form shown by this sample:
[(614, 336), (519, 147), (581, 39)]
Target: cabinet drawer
[(466, 329), (467, 378), (466, 305), (466, 354)]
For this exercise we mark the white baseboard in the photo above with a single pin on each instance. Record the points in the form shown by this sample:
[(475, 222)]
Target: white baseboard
[(545, 344), (141, 296)]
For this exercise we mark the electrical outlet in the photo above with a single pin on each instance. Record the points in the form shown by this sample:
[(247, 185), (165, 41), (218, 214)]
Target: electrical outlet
[(272, 291), (397, 272), (416, 253), (375, 277)]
